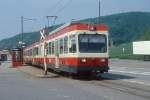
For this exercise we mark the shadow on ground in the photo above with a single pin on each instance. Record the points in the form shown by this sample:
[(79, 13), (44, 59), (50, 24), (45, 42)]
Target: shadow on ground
[(111, 76), (86, 77), (106, 76)]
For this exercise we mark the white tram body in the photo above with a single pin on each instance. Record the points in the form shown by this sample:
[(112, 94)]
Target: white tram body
[(72, 48)]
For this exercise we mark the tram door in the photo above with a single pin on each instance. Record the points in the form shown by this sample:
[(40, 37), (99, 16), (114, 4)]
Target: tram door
[(56, 54)]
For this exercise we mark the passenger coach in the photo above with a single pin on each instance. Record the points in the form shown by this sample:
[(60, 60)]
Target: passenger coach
[(73, 48)]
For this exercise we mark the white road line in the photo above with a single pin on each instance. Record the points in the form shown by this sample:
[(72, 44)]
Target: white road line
[(146, 73), (132, 72), (138, 82), (148, 84), (138, 68), (119, 67), (66, 96)]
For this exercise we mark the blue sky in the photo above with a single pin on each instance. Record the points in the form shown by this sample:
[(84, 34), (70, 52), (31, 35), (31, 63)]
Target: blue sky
[(12, 10)]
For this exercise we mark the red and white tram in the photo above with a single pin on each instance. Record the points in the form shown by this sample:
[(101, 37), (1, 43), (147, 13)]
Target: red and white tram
[(73, 48)]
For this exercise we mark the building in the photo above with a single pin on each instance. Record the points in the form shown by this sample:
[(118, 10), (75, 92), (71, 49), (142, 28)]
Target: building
[(5, 55)]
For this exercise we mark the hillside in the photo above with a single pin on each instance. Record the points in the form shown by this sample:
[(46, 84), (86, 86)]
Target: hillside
[(13, 41), (28, 38), (123, 28), (145, 36)]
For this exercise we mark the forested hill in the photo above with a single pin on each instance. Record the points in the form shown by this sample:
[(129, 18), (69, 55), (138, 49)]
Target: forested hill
[(123, 28)]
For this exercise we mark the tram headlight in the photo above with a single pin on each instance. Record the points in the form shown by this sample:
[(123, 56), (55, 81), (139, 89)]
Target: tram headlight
[(103, 60), (83, 60)]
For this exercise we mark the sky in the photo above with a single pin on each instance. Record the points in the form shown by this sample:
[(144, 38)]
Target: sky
[(66, 10)]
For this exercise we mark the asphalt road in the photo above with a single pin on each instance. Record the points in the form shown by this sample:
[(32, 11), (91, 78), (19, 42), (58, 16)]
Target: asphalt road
[(16, 85), (133, 71)]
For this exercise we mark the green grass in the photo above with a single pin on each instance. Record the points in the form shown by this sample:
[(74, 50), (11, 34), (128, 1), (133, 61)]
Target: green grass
[(124, 51)]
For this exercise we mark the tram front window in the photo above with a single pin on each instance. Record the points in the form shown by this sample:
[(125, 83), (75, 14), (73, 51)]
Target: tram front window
[(92, 43)]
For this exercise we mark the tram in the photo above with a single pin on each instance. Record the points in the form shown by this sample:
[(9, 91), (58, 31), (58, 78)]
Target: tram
[(74, 48)]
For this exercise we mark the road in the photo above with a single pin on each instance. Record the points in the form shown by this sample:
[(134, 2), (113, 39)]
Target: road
[(17, 85), (134, 71)]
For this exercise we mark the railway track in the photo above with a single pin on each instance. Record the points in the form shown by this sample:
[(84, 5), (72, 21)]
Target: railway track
[(115, 84), (130, 88), (118, 85)]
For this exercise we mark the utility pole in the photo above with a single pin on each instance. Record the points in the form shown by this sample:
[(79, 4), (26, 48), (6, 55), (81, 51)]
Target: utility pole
[(45, 44), (22, 28), (99, 11), (47, 21)]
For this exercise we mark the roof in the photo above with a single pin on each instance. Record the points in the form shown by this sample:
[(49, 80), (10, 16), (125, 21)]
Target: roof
[(4, 52), (71, 27)]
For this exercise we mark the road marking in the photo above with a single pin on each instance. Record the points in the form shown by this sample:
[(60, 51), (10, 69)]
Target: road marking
[(148, 84), (132, 72), (138, 68), (142, 83), (138, 82), (66, 96), (146, 73)]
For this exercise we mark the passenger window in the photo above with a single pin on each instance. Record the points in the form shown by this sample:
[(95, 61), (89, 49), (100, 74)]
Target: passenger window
[(37, 53), (61, 46), (49, 48), (31, 52), (40, 50), (53, 47), (72, 48), (66, 44), (34, 52)]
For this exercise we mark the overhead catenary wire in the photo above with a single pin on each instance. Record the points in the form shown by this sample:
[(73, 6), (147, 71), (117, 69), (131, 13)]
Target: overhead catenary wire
[(59, 6), (63, 7), (55, 6)]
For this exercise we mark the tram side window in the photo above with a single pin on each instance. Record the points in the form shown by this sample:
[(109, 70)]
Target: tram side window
[(49, 48), (66, 44), (30, 52), (72, 48), (52, 47), (39, 50), (35, 51), (61, 46), (25, 53)]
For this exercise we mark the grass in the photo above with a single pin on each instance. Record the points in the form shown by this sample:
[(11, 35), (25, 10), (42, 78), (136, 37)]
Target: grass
[(124, 51)]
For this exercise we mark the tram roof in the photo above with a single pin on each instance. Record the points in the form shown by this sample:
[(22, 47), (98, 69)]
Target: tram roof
[(69, 24), (63, 26)]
